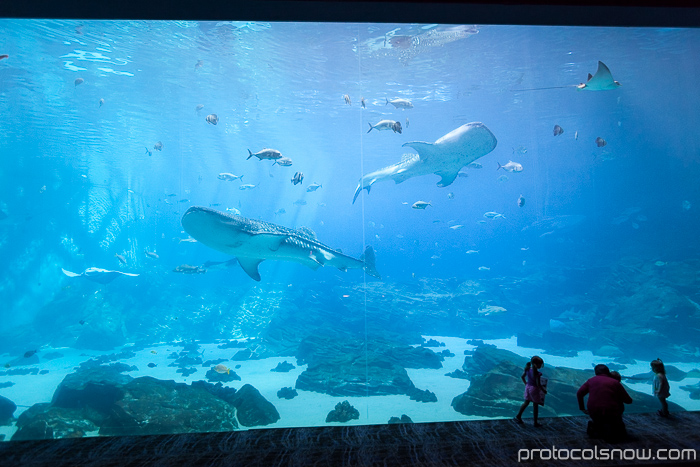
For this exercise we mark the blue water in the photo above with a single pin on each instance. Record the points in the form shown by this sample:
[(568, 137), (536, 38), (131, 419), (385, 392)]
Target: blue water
[(78, 187)]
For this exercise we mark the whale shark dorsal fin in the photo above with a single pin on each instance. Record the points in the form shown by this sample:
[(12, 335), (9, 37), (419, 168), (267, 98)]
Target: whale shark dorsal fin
[(425, 150), (307, 232), (250, 266), (447, 178)]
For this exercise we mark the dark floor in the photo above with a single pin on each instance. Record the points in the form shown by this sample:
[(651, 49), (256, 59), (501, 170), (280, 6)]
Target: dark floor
[(480, 443)]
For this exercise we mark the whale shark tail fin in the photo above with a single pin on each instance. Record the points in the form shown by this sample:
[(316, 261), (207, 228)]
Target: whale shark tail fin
[(359, 189), (369, 259)]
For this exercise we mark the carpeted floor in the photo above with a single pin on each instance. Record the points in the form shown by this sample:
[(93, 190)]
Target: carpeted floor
[(480, 443)]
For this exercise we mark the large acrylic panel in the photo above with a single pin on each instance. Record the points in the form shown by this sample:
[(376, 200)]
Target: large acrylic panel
[(566, 226)]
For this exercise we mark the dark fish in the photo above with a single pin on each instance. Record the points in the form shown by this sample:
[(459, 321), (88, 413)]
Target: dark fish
[(362, 101), (347, 99), (199, 107), (185, 200), (79, 81), (149, 152), (558, 130), (600, 142), (299, 202), (151, 254), (4, 56), (521, 201), (298, 178), (82, 321), (120, 258), (158, 146), (171, 195), (213, 119), (198, 64), (214, 204), (102, 102), (29, 353), (152, 365)]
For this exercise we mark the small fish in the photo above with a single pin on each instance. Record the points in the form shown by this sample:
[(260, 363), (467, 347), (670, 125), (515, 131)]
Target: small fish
[(520, 150), (42, 189), (222, 369), (151, 254), (214, 204), (576, 136), (471, 252), (265, 153), (475, 165), (198, 64), (152, 365), (121, 258), (7, 365), (558, 130), (521, 201), (102, 102), (298, 178), (407, 122), (600, 142), (79, 81), (484, 268), (212, 118), (457, 226), (399, 103), (510, 167), (29, 353), (247, 187), (503, 178), (149, 152), (313, 187), (347, 99), (362, 102), (686, 205), (280, 211), (229, 177), (4, 56), (525, 248), (660, 263), (199, 107), (81, 322), (154, 352), (493, 215), (283, 161), (187, 269), (421, 205), (184, 200), (300, 202), (158, 146), (450, 195), (462, 174), (386, 125)]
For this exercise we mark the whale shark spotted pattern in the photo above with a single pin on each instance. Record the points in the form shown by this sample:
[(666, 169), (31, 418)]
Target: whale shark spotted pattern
[(252, 241), (445, 157)]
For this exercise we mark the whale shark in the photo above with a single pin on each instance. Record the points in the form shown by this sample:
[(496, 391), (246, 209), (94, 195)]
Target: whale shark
[(445, 157), (101, 276), (252, 241)]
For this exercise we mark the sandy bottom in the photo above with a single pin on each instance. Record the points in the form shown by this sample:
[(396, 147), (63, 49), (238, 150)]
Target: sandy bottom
[(310, 408)]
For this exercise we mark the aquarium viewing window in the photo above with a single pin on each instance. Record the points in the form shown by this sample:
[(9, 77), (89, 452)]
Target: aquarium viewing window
[(232, 225)]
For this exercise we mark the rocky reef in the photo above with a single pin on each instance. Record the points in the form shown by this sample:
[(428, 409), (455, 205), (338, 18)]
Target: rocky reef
[(99, 399), (343, 412)]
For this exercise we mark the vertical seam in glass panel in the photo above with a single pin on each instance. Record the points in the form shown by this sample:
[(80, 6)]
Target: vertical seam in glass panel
[(364, 240)]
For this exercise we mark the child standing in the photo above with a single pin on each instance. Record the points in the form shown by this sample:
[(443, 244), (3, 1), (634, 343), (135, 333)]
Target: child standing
[(534, 391), (661, 386)]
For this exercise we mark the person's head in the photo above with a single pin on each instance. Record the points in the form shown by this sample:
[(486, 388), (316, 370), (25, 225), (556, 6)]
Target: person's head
[(535, 361), (601, 369), (657, 366), (616, 375)]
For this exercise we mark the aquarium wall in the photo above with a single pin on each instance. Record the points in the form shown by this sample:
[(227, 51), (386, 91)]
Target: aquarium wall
[(215, 226)]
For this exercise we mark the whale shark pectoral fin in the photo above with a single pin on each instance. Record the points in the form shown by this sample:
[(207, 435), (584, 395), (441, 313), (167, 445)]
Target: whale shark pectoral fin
[(447, 178), (273, 241), (250, 266), (70, 274), (425, 150)]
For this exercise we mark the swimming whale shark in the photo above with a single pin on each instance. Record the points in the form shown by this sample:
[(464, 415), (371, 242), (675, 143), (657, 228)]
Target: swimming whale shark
[(101, 276), (252, 241), (445, 157)]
